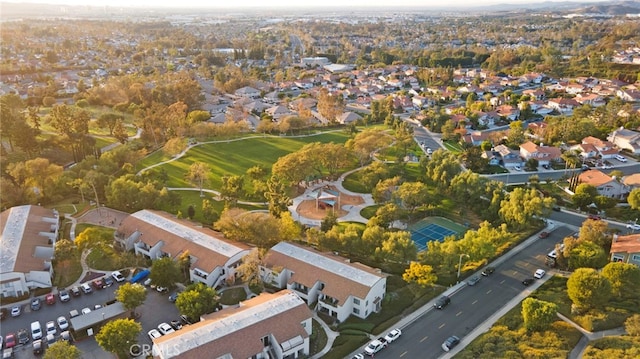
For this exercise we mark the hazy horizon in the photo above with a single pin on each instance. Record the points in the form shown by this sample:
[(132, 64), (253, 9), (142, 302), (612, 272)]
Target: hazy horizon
[(285, 3)]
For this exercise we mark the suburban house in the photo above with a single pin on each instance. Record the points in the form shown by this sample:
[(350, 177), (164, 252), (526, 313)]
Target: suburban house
[(563, 105), (544, 154), (606, 185), (626, 249), (156, 234), (509, 157), (632, 181), (248, 92), (626, 140), (604, 149), (339, 287), (28, 235), (267, 326), (348, 118)]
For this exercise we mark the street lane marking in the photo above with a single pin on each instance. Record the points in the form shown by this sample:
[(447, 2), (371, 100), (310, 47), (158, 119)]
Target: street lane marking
[(502, 281), (458, 314), (489, 291), (403, 354), (423, 339), (441, 326), (474, 302), (515, 272)]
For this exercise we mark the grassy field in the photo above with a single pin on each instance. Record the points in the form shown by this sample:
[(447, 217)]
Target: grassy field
[(453, 146), (235, 157)]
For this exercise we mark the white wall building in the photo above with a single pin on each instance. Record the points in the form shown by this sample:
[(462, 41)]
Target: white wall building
[(156, 234), (339, 288)]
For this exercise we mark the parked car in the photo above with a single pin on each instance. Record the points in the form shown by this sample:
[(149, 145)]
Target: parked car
[(51, 328), (174, 296), (86, 288), (358, 356), (86, 311), (36, 330), (50, 299), (37, 347), (517, 168), (176, 324), (185, 320), (16, 310), (473, 280), (51, 339), (634, 227), (64, 296), (66, 336), (165, 328), (539, 274), (98, 283), (543, 234), (63, 324), (451, 342), (36, 304), (23, 336), (488, 271), (108, 281), (162, 289), (594, 217), (74, 313), (528, 281), (75, 291), (375, 346), (556, 208), (118, 276), (10, 340), (442, 302), (147, 282), (154, 334), (393, 335), (7, 353), (620, 158)]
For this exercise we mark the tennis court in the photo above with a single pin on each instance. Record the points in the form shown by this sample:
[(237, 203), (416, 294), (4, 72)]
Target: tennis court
[(433, 229)]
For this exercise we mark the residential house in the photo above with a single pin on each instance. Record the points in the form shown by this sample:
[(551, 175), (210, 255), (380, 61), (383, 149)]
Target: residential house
[(488, 118), (626, 140), (632, 181), (606, 185), (493, 157), (508, 111), (247, 91), (574, 88), (348, 117), (534, 94), (155, 234), (544, 154), (563, 105), (592, 99), (626, 249), (605, 149), (339, 288), (277, 112), (276, 326), (28, 235), (509, 157), (476, 138), (629, 94)]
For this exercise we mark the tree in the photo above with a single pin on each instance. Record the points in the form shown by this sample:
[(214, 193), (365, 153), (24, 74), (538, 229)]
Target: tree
[(164, 272), (398, 247), (587, 255), (516, 133), (131, 296), (38, 178), (632, 325), (412, 195), (365, 143), (120, 132), (184, 264), (588, 289), (118, 336), (276, 194), (585, 194), (522, 206), (232, 189), (420, 274), (329, 221), (330, 106), (249, 269), (538, 315), (62, 349), (209, 212), (634, 198), (65, 250), (93, 237), (595, 231), (624, 279), (198, 174), (197, 300)]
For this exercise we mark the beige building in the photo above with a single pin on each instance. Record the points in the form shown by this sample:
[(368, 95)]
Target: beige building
[(28, 235), (269, 326)]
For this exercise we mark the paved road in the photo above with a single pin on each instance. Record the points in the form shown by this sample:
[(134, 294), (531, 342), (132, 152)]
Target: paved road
[(472, 305)]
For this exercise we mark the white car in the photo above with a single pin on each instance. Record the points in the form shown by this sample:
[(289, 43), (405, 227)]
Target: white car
[(51, 328), (374, 346), (539, 274), (154, 334), (86, 310), (117, 276), (393, 335), (165, 328), (64, 296), (635, 227), (517, 168), (63, 324)]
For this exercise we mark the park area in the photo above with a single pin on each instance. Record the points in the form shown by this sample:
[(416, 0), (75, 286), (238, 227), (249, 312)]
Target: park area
[(434, 229)]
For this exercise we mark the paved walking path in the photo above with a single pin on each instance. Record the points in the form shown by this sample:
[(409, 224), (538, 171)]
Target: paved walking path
[(588, 336)]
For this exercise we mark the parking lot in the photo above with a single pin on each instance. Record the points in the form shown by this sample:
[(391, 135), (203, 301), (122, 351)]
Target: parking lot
[(155, 310)]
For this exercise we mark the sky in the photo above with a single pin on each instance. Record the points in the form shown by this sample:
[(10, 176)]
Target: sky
[(286, 3)]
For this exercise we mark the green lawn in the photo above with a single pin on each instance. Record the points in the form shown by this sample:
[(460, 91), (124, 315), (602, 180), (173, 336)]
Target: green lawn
[(235, 157), (453, 146)]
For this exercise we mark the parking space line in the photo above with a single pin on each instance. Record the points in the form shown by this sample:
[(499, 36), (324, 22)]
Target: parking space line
[(441, 326), (423, 339), (474, 302), (457, 315), (403, 354), (502, 282), (489, 291)]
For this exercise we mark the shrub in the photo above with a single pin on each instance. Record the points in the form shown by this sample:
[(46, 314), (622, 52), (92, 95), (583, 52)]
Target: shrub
[(48, 101)]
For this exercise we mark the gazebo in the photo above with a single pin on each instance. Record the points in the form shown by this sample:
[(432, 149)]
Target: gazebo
[(327, 197)]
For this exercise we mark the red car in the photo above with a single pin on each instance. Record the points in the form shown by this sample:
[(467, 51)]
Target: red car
[(10, 341), (98, 283), (50, 299), (543, 234), (595, 217)]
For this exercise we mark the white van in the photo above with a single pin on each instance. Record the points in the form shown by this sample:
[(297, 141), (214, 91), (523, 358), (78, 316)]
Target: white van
[(621, 158), (36, 331)]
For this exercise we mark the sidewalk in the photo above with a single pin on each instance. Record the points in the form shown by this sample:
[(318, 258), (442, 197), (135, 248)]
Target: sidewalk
[(588, 336)]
